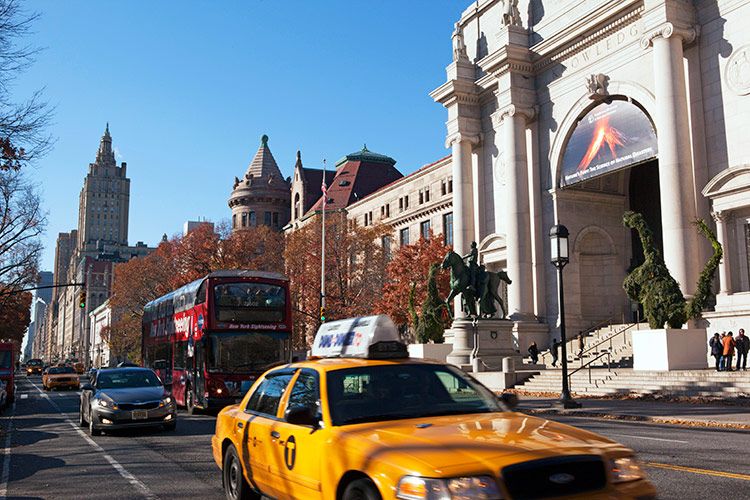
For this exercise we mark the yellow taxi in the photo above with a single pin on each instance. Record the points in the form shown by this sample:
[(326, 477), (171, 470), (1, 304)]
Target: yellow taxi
[(360, 420), (57, 377)]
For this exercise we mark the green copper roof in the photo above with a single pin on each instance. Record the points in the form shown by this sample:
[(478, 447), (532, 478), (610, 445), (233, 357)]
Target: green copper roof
[(366, 155)]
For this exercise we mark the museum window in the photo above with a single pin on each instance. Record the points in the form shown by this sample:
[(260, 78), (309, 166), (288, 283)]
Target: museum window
[(385, 242), (276, 219), (244, 220), (450, 184), (251, 218), (421, 197), (400, 204), (234, 221), (424, 229), (387, 209), (448, 229), (442, 188), (427, 195), (404, 236), (267, 219)]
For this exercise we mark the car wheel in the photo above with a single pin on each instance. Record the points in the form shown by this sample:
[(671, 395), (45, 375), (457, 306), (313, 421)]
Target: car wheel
[(93, 430), (235, 485), (81, 418), (361, 489)]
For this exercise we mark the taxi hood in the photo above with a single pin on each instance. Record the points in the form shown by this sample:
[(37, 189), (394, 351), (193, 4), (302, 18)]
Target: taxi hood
[(463, 444)]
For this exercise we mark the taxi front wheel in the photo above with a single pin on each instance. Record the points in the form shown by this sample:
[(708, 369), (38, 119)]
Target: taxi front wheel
[(361, 489), (235, 485)]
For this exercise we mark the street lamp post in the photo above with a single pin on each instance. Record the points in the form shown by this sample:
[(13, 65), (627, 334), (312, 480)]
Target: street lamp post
[(560, 257)]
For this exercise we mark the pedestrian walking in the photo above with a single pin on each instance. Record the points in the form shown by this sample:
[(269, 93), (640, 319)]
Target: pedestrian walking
[(728, 352), (580, 345), (717, 349), (555, 351), (743, 347), (534, 353)]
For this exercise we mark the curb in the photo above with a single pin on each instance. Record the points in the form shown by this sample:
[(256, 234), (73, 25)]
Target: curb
[(637, 418)]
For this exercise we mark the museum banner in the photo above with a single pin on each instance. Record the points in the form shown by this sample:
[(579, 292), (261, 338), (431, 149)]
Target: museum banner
[(610, 137)]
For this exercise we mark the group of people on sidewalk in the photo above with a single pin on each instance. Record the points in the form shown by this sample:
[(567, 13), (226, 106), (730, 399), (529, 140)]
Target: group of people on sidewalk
[(723, 348)]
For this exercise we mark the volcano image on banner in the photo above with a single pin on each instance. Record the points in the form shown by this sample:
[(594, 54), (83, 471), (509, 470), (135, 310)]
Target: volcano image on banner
[(608, 138)]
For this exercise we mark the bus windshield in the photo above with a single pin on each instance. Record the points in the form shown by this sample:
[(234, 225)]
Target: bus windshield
[(241, 352), (246, 302)]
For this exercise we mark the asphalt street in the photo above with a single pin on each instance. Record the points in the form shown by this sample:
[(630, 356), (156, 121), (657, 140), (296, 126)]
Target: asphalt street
[(47, 455)]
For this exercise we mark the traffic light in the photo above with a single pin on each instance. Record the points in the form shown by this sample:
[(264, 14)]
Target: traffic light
[(82, 299), (322, 314)]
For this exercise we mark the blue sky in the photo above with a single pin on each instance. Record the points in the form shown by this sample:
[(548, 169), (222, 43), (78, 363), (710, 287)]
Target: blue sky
[(189, 87)]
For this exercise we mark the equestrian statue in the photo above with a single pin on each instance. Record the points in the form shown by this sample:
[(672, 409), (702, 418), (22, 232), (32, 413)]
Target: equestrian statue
[(475, 284)]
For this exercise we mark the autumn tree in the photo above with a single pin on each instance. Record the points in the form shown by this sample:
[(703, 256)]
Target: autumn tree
[(179, 261), (407, 275), (355, 271), (15, 315)]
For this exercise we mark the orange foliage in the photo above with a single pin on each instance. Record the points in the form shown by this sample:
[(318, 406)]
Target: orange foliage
[(355, 272), (410, 266), (15, 316)]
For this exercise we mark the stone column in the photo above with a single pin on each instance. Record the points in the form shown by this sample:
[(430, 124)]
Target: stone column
[(682, 248), (518, 222), (725, 280), (463, 203)]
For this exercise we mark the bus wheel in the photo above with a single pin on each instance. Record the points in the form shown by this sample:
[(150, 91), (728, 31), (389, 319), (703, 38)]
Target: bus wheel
[(190, 401)]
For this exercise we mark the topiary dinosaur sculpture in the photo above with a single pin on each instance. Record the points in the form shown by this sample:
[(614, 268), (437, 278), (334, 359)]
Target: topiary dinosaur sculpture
[(429, 326), (656, 289)]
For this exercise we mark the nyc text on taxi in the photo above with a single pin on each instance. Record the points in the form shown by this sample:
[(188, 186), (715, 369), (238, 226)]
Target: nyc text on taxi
[(361, 420)]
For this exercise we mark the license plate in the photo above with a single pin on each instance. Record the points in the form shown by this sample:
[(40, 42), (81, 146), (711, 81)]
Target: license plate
[(140, 414)]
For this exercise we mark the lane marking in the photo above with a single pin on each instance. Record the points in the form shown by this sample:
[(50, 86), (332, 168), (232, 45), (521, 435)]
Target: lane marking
[(134, 481), (24, 396), (693, 470), (5, 476), (649, 438)]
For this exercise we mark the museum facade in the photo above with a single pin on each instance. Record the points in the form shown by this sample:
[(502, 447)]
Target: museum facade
[(574, 112)]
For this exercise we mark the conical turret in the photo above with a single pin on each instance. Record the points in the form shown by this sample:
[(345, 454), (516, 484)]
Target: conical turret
[(105, 155)]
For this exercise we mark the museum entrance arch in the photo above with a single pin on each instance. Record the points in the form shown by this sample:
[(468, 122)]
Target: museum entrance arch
[(609, 165)]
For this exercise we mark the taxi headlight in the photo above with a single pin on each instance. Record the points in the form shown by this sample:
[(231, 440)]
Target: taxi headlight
[(460, 488), (166, 401), (625, 469)]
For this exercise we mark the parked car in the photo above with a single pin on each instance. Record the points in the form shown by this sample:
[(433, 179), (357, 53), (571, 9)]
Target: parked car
[(126, 397)]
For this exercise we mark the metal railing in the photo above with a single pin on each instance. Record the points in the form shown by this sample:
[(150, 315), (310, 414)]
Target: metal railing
[(588, 365), (590, 348), (569, 342)]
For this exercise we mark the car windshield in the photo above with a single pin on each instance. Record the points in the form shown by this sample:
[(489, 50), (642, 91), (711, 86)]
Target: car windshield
[(392, 392), (249, 303), (127, 379), (34, 362), (6, 359), (243, 352), (57, 370)]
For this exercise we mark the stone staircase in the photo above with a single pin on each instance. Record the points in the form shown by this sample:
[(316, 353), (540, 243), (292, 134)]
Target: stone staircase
[(623, 381)]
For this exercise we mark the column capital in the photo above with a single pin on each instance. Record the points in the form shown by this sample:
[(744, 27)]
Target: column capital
[(511, 110), (720, 216), (688, 33), (472, 139)]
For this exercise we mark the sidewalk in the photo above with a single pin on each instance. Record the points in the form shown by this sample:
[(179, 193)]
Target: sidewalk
[(688, 414)]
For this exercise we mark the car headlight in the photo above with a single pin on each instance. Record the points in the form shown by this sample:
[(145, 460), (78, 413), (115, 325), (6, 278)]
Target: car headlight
[(166, 401), (459, 488), (625, 469), (106, 403)]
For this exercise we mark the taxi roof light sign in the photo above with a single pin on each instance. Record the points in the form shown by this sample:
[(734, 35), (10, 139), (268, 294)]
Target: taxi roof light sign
[(362, 337)]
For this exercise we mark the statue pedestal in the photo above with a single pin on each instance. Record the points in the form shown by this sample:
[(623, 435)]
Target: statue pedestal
[(495, 342)]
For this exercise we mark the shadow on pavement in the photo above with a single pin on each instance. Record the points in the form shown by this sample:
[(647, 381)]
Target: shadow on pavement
[(26, 465), (25, 438)]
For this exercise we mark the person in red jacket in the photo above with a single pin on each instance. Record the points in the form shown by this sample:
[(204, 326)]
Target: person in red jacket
[(726, 358)]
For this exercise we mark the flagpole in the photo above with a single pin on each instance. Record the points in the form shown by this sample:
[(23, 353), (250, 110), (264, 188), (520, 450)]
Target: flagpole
[(323, 243)]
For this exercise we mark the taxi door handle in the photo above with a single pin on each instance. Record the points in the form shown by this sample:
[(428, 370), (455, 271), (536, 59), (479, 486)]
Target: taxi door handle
[(275, 435), (240, 425)]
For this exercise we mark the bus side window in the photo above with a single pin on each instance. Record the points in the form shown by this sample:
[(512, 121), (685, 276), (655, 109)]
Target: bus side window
[(200, 297)]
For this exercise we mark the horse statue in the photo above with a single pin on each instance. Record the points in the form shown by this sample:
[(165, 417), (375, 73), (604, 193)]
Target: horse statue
[(483, 291)]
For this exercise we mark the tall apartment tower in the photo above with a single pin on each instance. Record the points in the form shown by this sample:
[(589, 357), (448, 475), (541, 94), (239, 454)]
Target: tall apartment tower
[(104, 201)]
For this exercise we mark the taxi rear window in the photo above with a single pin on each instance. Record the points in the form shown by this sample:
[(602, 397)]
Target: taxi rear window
[(391, 392)]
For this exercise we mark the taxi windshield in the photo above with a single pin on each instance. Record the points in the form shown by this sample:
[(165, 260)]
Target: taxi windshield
[(400, 391)]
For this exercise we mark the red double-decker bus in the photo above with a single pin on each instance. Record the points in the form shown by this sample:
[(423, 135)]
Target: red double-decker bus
[(215, 333)]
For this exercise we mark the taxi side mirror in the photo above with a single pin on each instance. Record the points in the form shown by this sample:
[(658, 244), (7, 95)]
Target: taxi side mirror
[(87, 387), (509, 400), (302, 415)]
